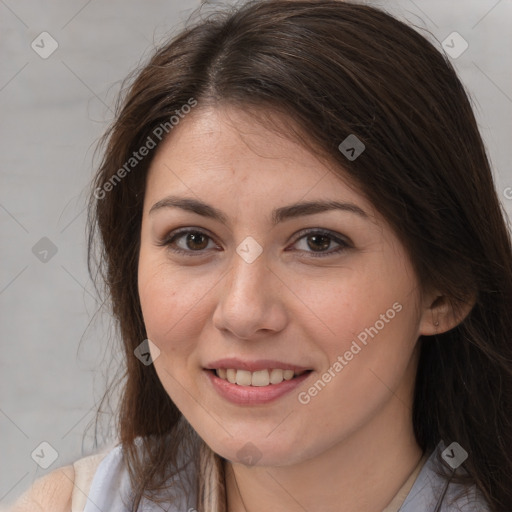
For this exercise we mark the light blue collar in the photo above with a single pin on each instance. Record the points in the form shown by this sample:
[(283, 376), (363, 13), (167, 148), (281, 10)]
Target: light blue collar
[(433, 493)]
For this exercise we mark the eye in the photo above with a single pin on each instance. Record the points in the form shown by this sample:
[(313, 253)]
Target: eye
[(187, 241), (319, 240), (193, 242)]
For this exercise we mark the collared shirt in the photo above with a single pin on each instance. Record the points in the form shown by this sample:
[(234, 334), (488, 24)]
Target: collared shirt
[(426, 491)]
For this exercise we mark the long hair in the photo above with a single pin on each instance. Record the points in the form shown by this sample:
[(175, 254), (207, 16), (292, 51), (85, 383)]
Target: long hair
[(331, 69)]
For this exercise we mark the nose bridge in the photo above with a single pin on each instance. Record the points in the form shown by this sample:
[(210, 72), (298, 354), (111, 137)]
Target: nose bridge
[(247, 302), (247, 279)]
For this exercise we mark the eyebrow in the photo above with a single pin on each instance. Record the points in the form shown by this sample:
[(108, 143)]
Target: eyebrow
[(278, 215)]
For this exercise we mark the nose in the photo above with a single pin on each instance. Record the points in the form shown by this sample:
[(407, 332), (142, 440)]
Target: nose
[(251, 301)]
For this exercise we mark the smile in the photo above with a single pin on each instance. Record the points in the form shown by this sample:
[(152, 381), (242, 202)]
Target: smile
[(258, 378), (251, 394)]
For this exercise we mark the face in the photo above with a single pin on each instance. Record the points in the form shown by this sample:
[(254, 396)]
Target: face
[(327, 290)]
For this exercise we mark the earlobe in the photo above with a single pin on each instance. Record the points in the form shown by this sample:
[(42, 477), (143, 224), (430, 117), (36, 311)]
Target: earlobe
[(434, 317), (442, 315), (436, 321)]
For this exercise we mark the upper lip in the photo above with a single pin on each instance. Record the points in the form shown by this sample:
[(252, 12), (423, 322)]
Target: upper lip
[(253, 366)]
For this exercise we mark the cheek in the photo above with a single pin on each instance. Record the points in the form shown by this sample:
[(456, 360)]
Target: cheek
[(340, 308), (367, 327), (170, 306), (368, 367), (174, 303), (164, 302), (367, 364)]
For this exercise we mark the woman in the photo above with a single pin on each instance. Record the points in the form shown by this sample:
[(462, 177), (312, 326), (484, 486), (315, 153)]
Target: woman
[(312, 279)]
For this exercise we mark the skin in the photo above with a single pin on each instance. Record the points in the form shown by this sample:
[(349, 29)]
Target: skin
[(354, 435)]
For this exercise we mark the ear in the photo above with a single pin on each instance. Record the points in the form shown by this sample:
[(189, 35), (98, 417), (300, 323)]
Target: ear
[(441, 315)]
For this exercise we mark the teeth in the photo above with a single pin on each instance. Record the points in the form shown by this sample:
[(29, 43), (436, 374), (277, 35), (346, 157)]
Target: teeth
[(231, 376), (243, 378), (258, 378), (276, 376)]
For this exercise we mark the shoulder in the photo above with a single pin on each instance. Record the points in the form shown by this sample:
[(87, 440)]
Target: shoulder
[(51, 492), (103, 482), (62, 489), (112, 489)]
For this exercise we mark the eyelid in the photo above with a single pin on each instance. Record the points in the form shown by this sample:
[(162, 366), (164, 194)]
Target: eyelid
[(177, 233), (343, 242), (337, 237)]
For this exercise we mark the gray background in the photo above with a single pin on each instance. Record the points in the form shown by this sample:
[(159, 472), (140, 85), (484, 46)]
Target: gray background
[(52, 365)]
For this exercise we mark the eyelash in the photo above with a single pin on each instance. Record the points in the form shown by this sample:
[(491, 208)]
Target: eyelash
[(168, 241)]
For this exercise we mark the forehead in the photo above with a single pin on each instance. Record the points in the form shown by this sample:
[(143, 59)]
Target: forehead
[(228, 153)]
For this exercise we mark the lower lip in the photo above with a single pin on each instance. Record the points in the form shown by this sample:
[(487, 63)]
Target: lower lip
[(249, 395)]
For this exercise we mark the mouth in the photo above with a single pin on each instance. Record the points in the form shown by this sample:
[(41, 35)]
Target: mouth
[(249, 383), (258, 378), (251, 388)]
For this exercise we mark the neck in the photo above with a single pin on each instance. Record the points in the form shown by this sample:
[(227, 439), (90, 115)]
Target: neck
[(378, 457)]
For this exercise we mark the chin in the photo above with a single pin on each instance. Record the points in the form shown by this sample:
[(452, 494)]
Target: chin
[(255, 453)]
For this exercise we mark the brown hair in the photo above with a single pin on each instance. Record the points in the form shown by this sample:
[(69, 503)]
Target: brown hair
[(333, 69)]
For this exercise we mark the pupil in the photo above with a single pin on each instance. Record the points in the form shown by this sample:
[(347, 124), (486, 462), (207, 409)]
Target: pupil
[(316, 238), (193, 238)]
